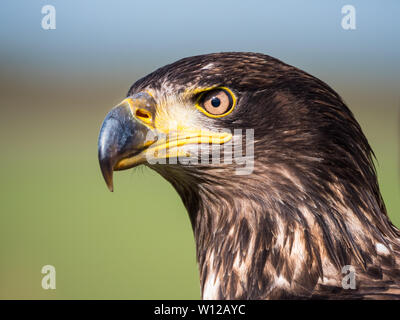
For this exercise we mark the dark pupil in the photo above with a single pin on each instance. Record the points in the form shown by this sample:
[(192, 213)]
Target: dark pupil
[(215, 102)]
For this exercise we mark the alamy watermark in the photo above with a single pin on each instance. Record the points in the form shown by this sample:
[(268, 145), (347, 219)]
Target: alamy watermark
[(349, 19), (49, 278), (205, 148), (49, 18), (349, 279)]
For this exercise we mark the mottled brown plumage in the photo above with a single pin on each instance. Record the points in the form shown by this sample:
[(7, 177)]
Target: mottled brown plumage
[(312, 204)]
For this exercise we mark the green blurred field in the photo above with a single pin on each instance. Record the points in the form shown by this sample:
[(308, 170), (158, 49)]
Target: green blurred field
[(135, 243)]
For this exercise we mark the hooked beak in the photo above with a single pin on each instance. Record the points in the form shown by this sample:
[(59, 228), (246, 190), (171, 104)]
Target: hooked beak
[(129, 137), (125, 132)]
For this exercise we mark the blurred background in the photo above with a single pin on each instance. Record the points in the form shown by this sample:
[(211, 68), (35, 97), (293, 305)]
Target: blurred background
[(56, 87)]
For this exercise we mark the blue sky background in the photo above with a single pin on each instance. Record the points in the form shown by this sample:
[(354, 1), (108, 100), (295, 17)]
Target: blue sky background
[(133, 36)]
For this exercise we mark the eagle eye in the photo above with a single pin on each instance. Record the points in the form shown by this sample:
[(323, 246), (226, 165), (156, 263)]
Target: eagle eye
[(217, 102)]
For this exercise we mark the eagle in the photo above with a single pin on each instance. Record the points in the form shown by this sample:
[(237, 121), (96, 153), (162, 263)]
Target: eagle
[(300, 216)]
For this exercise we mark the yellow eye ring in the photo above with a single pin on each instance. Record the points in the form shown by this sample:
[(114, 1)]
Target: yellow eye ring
[(224, 98)]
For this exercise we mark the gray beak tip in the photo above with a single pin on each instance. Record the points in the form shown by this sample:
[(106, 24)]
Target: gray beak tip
[(107, 171)]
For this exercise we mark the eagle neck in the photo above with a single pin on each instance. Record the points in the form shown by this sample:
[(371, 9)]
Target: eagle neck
[(244, 247), (257, 244), (264, 238)]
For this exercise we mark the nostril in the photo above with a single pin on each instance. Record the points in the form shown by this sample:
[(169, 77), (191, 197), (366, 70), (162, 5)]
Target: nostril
[(143, 114)]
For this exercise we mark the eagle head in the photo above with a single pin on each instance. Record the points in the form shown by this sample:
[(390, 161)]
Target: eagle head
[(274, 170)]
